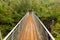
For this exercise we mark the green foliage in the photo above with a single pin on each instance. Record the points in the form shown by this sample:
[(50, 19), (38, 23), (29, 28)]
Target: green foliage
[(57, 27), (5, 29), (56, 32), (58, 37), (11, 11)]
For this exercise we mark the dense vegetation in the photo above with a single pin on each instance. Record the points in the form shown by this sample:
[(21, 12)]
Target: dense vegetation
[(11, 11)]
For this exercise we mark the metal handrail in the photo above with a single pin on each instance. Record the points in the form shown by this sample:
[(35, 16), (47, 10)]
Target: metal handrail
[(15, 27), (20, 24), (43, 26)]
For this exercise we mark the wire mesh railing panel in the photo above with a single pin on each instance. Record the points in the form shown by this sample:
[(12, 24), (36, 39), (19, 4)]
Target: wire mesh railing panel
[(44, 33), (15, 32)]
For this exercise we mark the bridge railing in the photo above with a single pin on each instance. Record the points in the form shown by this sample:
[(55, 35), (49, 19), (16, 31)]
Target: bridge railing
[(15, 32), (45, 34)]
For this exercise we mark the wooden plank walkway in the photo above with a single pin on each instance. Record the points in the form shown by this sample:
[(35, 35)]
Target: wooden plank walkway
[(30, 30)]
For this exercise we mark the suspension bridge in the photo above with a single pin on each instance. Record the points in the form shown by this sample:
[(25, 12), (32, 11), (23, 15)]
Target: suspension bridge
[(30, 27)]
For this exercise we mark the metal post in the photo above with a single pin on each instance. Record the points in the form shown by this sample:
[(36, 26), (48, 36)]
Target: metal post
[(0, 36)]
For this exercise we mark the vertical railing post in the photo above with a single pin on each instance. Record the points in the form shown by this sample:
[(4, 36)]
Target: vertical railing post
[(12, 37), (0, 36)]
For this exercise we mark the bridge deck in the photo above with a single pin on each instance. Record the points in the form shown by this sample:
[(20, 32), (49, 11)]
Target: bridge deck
[(30, 27), (30, 30)]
